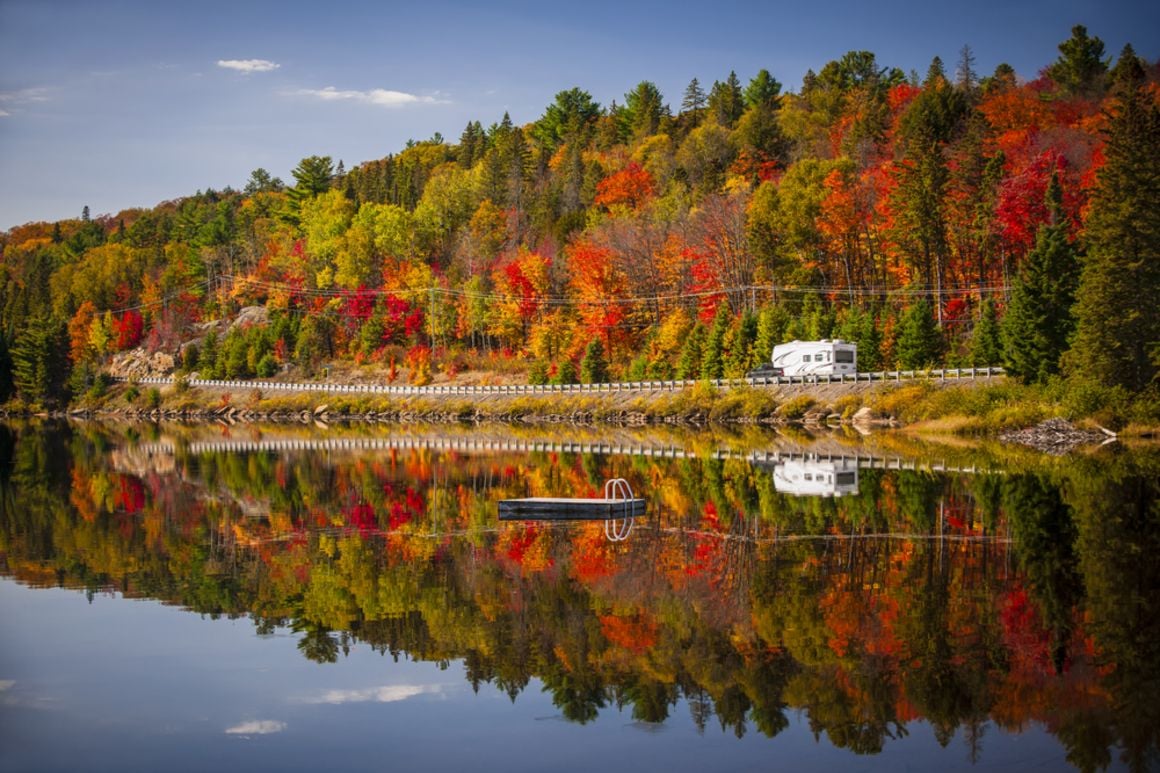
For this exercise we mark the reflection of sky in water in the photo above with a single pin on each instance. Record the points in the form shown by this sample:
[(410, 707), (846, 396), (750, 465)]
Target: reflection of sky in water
[(135, 685)]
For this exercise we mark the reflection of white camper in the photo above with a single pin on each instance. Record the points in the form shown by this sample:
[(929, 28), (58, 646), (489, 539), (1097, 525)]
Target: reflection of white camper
[(809, 478), (825, 357)]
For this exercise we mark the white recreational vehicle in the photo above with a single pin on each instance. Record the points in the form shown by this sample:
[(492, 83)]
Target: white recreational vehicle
[(801, 358), (815, 478)]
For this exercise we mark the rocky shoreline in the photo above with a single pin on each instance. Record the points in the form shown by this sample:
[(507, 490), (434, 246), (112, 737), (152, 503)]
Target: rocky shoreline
[(863, 420)]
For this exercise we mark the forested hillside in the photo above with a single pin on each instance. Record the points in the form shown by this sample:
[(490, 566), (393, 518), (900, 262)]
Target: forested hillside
[(937, 218)]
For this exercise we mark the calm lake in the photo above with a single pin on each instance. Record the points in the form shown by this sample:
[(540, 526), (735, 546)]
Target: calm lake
[(307, 598)]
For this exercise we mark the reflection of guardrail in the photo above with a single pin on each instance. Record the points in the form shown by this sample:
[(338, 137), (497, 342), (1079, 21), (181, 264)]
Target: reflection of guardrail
[(670, 531), (469, 445), (942, 374)]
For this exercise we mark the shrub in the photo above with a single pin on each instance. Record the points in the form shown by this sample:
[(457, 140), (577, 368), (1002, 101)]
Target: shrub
[(847, 405), (796, 407), (189, 357), (267, 366), (743, 403), (538, 373), (565, 373)]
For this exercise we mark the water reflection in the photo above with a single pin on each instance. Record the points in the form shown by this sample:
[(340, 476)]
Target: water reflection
[(869, 599), (817, 478)]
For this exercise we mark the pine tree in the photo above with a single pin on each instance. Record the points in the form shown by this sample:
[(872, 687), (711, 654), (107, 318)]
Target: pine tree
[(742, 356), (689, 363), (816, 321), (858, 326), (6, 385), (207, 358), (726, 101), (713, 352), (771, 326), (1039, 319), (1117, 338), (986, 344), (594, 366), (40, 361), (1081, 66), (694, 100), (919, 343)]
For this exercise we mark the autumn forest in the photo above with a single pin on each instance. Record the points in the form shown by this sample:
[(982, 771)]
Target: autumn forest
[(940, 218)]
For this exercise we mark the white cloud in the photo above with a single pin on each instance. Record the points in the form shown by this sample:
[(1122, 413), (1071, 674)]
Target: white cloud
[(5, 684), (380, 97), (386, 694), (248, 65), (4, 114), (24, 96), (257, 727)]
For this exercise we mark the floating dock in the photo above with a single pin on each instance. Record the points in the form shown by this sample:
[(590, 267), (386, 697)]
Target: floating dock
[(618, 502), (559, 509)]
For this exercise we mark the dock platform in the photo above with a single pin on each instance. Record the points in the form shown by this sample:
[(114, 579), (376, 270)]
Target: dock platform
[(562, 509), (618, 502)]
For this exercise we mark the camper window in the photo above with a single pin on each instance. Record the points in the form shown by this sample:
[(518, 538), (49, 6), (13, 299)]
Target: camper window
[(805, 358), (843, 355)]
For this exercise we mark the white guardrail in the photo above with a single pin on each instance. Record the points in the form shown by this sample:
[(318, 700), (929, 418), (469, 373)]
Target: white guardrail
[(941, 374)]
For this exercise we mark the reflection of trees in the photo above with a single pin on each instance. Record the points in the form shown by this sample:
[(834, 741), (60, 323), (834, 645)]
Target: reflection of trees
[(1117, 512), (317, 643), (939, 689), (733, 599), (1043, 526)]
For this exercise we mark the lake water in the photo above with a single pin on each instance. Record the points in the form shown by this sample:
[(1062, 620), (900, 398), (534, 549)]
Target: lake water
[(305, 598)]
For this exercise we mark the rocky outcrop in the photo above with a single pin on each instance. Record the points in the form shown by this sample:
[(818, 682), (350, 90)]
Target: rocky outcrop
[(137, 363)]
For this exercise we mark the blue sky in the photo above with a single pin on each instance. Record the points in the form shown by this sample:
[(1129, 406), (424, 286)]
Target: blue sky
[(116, 104)]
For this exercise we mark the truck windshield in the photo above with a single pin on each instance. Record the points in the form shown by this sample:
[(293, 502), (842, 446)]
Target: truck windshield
[(843, 355)]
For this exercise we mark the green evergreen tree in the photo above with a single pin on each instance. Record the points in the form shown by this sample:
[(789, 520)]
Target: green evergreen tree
[(1039, 321), (764, 89), (1117, 339), (565, 373), (858, 326), (713, 352), (694, 100), (727, 101), (207, 357), (817, 320), (6, 386), (370, 335), (40, 367), (315, 341), (1081, 67), (594, 366), (313, 175), (740, 350), (986, 344), (772, 323), (538, 373), (643, 110), (231, 358), (919, 342), (689, 363)]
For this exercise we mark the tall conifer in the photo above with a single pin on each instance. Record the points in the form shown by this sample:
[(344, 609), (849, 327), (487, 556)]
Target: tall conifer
[(1117, 337), (1039, 319)]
